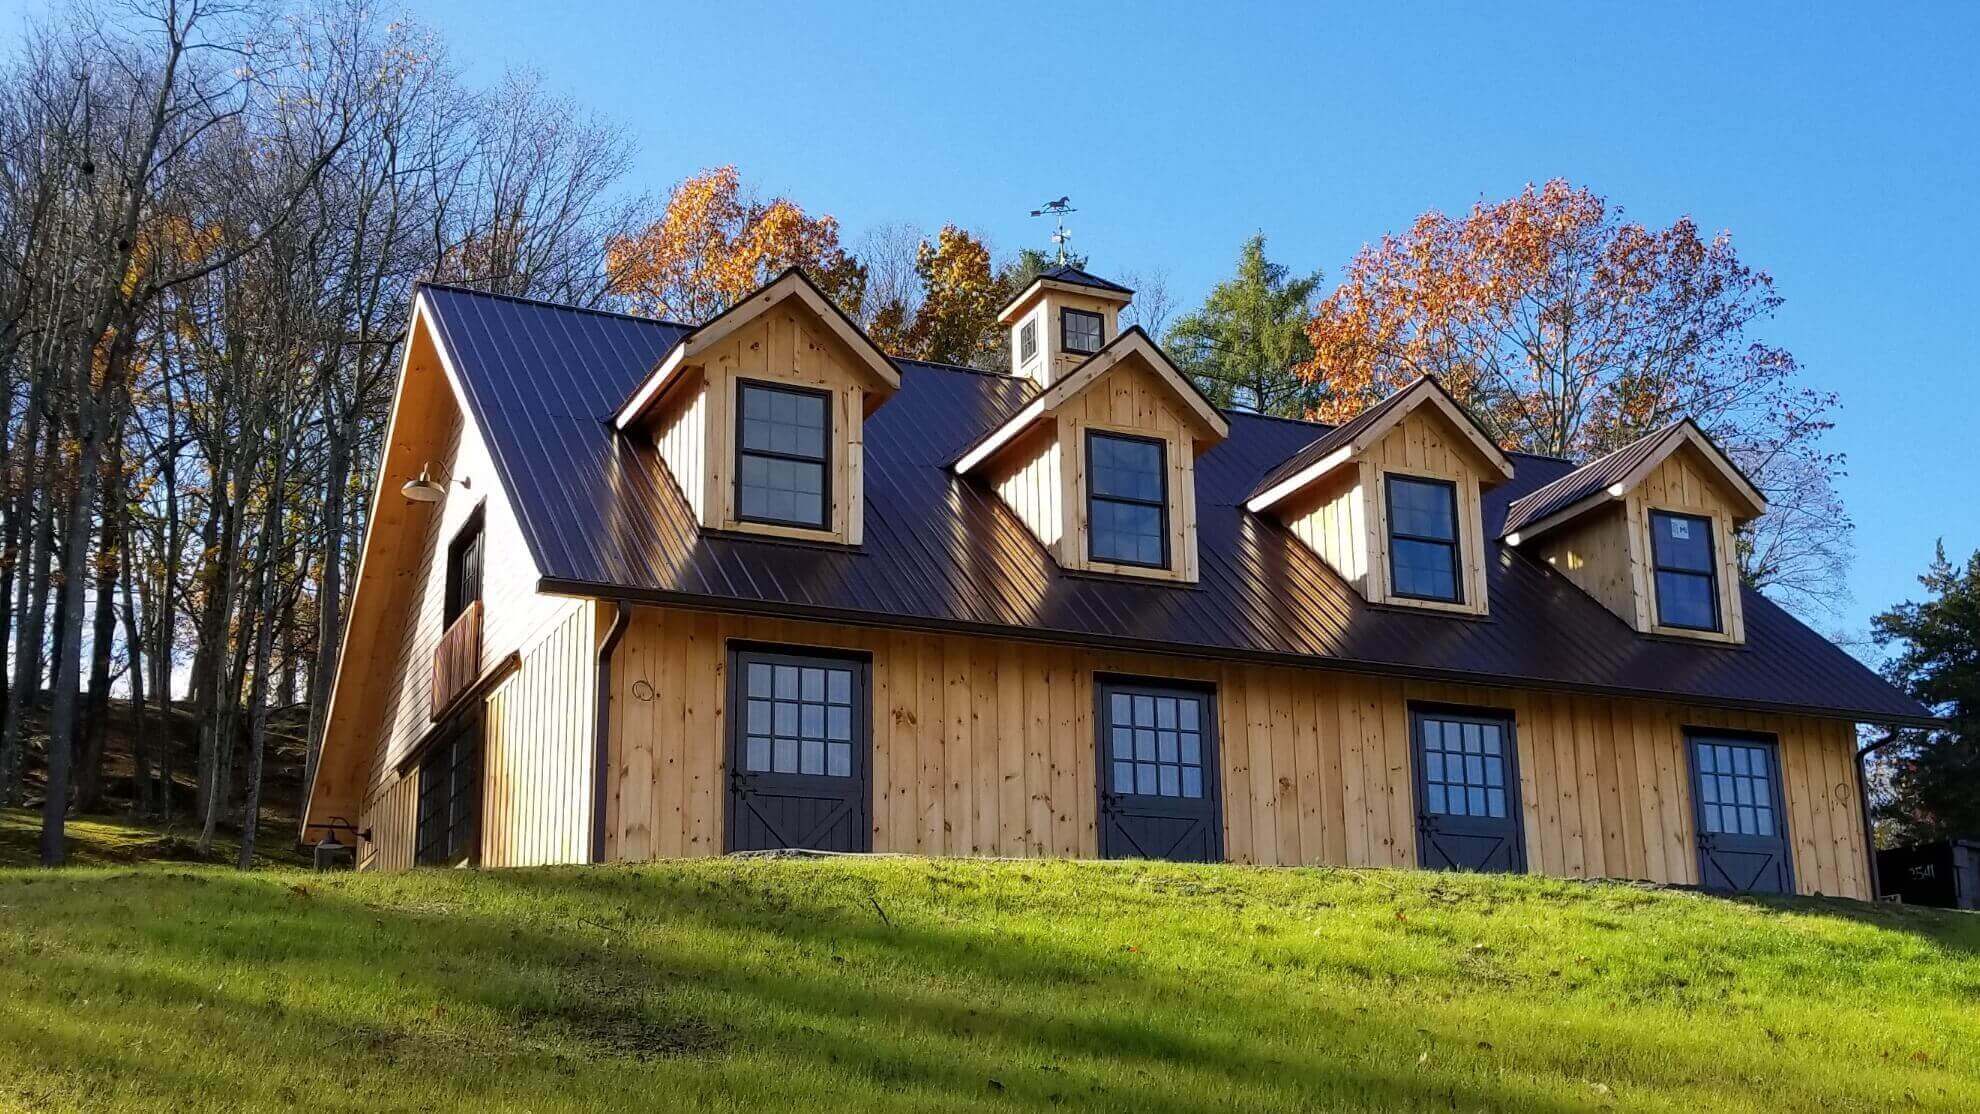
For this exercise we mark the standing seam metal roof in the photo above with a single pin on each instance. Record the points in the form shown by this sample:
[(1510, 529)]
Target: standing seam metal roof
[(602, 517)]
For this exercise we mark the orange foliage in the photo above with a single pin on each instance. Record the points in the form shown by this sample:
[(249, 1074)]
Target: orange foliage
[(714, 244), (1567, 329)]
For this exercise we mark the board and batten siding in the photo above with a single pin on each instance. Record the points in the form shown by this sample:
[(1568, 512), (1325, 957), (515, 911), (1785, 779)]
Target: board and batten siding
[(986, 747)]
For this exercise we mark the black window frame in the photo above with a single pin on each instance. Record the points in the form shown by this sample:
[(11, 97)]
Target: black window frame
[(824, 462), (460, 738), (1162, 468), (1455, 542), (1065, 330), (1027, 340), (1710, 575), (455, 595)]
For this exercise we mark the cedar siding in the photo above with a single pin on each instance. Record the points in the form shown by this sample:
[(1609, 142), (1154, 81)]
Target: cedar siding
[(987, 747)]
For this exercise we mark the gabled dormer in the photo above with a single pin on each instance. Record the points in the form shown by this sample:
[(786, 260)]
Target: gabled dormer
[(759, 414), (1059, 321), (1648, 530), (1391, 500), (1101, 464)]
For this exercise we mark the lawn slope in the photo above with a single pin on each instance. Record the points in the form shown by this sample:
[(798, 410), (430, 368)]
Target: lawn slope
[(903, 984)]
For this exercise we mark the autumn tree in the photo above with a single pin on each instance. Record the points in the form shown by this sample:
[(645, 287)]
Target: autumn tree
[(1935, 774), (716, 242), (1571, 330), (1245, 345), (956, 320)]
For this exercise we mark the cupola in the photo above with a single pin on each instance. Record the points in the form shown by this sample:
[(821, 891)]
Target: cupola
[(1061, 320)]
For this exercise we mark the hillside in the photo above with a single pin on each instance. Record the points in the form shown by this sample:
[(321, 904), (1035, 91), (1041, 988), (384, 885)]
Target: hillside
[(903, 984)]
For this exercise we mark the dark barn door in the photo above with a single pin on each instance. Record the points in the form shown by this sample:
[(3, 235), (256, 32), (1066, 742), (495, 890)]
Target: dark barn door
[(799, 753), (1742, 826), (1467, 793), (1158, 774)]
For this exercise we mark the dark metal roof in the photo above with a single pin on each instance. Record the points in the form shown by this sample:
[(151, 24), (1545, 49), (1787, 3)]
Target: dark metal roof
[(1346, 432), (1067, 273), (602, 517), (1601, 472), (1586, 480)]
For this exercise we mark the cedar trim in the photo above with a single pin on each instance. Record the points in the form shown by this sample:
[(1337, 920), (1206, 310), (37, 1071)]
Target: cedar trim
[(725, 605)]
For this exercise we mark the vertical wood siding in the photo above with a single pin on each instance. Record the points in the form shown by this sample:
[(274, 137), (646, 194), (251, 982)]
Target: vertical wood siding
[(539, 748), (1128, 399), (986, 747)]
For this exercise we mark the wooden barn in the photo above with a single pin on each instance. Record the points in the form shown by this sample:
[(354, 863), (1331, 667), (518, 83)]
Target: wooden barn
[(636, 589)]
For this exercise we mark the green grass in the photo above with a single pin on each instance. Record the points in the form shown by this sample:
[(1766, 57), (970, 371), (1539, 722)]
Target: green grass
[(112, 840), (904, 984)]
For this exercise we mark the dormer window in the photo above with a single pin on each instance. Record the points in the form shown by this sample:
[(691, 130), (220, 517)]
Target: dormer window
[(1687, 588), (1128, 502), (1423, 538), (1028, 341), (781, 455), (1080, 331)]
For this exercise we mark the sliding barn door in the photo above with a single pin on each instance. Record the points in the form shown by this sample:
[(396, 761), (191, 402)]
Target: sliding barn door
[(800, 752)]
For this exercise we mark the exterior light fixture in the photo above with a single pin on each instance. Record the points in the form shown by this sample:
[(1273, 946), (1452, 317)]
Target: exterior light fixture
[(424, 489)]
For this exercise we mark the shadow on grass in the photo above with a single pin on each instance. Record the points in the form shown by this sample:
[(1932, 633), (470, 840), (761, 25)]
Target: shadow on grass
[(892, 1012)]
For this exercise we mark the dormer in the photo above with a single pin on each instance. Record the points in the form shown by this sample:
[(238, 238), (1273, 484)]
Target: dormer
[(1101, 464), (1648, 530), (1059, 322), (1391, 500), (759, 414)]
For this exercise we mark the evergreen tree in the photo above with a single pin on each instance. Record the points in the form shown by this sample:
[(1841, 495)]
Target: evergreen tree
[(1243, 345), (1935, 774)]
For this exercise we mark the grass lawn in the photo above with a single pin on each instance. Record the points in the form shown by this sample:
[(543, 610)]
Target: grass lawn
[(904, 984)]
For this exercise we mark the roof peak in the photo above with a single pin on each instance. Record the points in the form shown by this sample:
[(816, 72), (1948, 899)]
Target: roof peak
[(546, 303)]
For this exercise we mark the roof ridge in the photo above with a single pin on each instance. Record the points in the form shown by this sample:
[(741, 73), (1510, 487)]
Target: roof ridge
[(548, 304)]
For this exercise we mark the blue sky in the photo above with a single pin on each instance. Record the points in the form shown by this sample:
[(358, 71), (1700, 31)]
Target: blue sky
[(1841, 150)]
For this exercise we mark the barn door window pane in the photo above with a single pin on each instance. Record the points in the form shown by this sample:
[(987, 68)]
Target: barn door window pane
[(781, 455), (1687, 583), (1127, 500), (1736, 789), (1464, 767), (798, 719), (1155, 744), (1423, 538)]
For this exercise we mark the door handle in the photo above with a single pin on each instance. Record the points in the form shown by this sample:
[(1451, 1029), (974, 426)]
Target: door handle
[(739, 783)]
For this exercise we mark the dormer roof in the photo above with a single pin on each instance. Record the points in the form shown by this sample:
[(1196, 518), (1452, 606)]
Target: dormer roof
[(793, 283), (1134, 343), (1611, 477), (1343, 443)]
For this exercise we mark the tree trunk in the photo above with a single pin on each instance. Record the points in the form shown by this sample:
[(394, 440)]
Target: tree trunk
[(95, 727), (144, 787)]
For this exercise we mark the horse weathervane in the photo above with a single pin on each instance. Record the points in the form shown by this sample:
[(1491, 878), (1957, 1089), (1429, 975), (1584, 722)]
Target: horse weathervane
[(1058, 210)]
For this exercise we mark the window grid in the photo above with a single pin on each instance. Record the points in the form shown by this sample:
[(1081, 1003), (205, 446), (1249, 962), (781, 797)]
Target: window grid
[(1127, 502), (1464, 767), (1736, 789), (1155, 744), (783, 434), (1028, 340), (1080, 331), (798, 719), (1687, 582), (449, 798), (1423, 539)]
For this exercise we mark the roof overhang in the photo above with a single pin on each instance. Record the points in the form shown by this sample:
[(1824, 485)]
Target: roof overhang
[(1749, 502), (792, 284), (1014, 308), (1423, 392), (1134, 343)]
